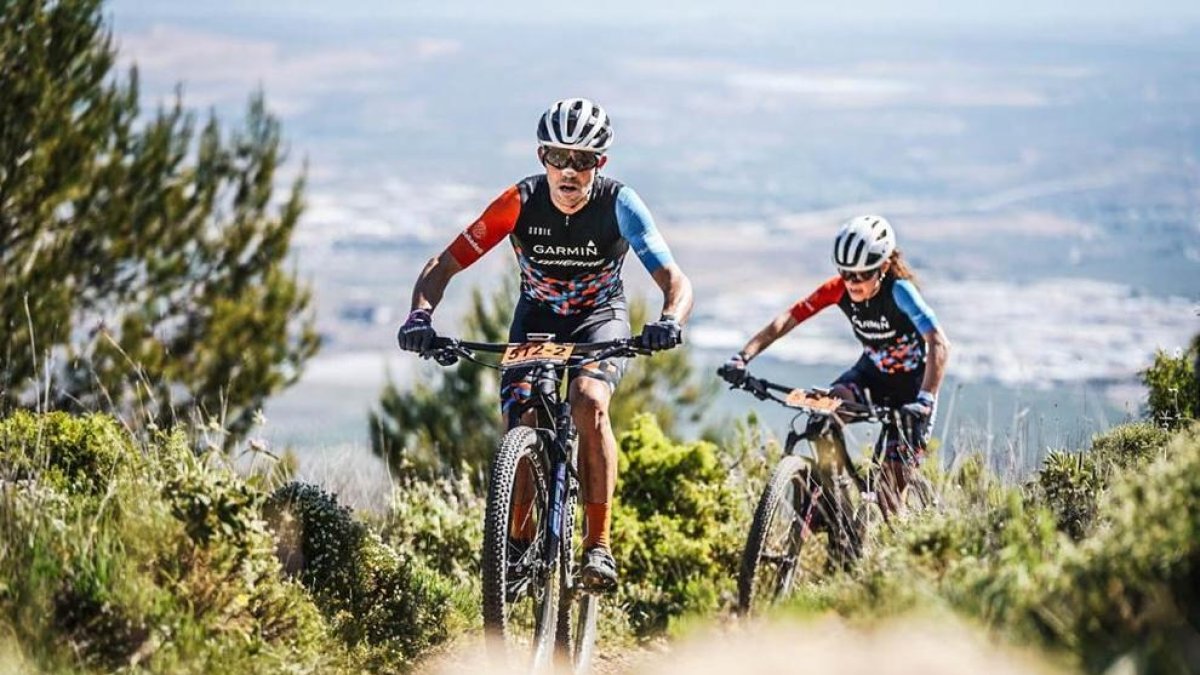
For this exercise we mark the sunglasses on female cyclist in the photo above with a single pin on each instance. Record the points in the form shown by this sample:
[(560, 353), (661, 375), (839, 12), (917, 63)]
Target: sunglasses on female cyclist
[(859, 277), (561, 158)]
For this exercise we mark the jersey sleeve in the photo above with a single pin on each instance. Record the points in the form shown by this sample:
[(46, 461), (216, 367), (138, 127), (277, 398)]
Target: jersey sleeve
[(496, 223), (637, 226), (909, 300), (828, 293)]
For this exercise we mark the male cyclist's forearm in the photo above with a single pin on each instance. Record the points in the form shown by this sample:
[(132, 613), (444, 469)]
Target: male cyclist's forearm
[(678, 298), (432, 282)]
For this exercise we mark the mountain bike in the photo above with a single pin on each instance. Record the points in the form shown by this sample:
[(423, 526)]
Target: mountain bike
[(817, 511), (532, 596)]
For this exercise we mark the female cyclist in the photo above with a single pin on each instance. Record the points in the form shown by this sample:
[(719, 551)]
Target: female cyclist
[(904, 348)]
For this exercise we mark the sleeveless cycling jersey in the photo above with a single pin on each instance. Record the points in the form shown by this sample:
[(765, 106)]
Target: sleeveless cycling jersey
[(569, 263), (889, 325)]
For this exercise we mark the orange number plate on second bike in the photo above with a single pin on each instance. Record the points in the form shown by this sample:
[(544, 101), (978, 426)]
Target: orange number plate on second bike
[(799, 398), (529, 352)]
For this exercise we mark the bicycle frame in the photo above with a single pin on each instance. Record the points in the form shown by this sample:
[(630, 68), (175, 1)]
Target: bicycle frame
[(559, 431), (556, 438), (841, 462)]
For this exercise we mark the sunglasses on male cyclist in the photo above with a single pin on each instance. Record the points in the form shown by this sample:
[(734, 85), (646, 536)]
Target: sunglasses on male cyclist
[(858, 277), (561, 158)]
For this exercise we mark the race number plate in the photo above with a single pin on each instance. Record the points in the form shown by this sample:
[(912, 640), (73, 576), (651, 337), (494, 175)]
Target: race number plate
[(542, 352), (799, 398)]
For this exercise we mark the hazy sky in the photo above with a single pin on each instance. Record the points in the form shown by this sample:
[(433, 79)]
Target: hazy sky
[(583, 16)]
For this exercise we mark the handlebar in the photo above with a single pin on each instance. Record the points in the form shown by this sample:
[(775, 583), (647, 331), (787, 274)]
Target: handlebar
[(447, 350), (764, 389)]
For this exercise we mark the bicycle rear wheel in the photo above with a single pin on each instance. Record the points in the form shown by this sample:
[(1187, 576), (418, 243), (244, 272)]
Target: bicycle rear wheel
[(787, 539), (520, 591), (919, 497)]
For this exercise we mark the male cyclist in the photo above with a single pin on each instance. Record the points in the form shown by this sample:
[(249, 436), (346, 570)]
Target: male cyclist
[(570, 228), (904, 347)]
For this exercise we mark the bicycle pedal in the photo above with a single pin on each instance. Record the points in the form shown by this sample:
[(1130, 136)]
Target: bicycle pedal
[(595, 584)]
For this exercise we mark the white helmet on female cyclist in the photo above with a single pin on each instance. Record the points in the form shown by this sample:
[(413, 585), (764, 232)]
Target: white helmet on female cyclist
[(863, 244), (575, 124)]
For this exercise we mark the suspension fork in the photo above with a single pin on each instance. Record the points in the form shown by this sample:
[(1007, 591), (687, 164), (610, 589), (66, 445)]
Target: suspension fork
[(558, 444)]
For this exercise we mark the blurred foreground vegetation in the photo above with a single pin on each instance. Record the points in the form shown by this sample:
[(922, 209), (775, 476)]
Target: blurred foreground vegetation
[(118, 553)]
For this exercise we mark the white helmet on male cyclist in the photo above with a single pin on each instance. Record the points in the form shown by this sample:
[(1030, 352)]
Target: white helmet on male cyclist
[(575, 124), (863, 244)]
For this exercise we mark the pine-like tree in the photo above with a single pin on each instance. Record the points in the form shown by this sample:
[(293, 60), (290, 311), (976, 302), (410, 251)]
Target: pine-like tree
[(144, 265)]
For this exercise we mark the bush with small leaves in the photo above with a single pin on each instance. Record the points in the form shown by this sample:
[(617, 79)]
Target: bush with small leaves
[(76, 455), (1173, 385), (1129, 446), (1071, 484), (107, 568), (439, 523), (386, 608), (678, 527), (1133, 588)]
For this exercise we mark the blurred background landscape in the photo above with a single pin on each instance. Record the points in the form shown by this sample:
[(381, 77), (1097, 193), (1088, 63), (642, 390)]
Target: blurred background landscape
[(1041, 166), (204, 467)]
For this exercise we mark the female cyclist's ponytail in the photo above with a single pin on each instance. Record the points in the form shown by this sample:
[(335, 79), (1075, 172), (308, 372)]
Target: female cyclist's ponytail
[(899, 267)]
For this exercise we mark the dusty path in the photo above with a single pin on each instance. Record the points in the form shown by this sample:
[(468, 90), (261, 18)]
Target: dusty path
[(828, 646)]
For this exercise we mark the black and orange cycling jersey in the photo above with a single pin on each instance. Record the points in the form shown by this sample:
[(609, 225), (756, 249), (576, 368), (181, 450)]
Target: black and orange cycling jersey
[(890, 325), (569, 263)]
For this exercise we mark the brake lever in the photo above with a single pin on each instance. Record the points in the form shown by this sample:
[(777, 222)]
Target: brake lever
[(445, 357), (756, 387)]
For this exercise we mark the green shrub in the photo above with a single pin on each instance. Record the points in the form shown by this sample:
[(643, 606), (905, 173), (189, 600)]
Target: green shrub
[(1071, 484), (677, 527), (1174, 386), (1129, 446), (388, 609), (170, 570), (439, 523), (1134, 587), (74, 454)]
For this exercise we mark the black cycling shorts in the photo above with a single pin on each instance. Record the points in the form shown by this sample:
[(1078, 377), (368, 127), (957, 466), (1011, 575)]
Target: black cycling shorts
[(610, 322), (894, 390), (889, 389)]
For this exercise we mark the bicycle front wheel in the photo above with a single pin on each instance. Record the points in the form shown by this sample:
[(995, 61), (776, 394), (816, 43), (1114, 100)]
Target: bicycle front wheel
[(578, 610), (520, 590), (787, 538)]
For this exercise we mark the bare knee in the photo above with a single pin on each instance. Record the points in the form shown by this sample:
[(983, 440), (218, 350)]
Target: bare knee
[(589, 403), (842, 391)]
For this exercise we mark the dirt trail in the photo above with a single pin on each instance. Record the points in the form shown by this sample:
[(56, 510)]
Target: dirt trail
[(827, 646)]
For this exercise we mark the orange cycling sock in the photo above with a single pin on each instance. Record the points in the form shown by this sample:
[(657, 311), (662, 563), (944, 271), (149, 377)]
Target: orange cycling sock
[(521, 527), (596, 519)]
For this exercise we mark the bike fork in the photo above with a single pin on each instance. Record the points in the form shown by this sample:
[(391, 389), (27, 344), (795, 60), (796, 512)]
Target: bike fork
[(557, 512), (814, 498), (559, 485)]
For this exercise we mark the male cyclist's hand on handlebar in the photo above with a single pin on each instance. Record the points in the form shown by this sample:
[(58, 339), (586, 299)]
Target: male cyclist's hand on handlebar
[(417, 333), (734, 370), (662, 334)]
